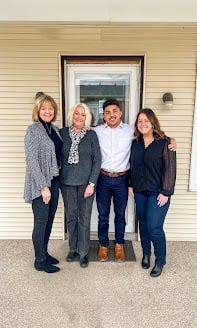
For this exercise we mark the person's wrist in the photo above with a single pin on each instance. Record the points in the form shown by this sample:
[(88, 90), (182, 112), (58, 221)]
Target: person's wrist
[(91, 184)]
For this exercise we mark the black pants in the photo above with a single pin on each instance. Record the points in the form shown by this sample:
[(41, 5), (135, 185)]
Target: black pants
[(78, 214), (43, 220)]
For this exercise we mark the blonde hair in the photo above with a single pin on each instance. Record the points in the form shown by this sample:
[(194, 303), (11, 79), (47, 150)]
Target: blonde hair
[(39, 102), (88, 114)]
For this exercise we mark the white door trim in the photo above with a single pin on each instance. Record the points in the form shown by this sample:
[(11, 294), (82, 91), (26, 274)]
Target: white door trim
[(134, 71)]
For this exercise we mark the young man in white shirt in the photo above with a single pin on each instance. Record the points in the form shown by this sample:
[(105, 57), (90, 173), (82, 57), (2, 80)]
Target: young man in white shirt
[(115, 139)]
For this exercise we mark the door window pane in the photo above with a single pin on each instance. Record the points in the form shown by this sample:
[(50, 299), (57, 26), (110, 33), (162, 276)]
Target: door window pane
[(94, 89)]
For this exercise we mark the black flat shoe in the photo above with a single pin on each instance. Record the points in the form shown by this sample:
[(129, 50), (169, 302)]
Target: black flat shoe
[(50, 259), (146, 262), (156, 271), (46, 267), (84, 262), (72, 256)]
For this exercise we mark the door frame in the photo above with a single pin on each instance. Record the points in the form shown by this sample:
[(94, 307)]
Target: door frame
[(108, 59), (75, 59)]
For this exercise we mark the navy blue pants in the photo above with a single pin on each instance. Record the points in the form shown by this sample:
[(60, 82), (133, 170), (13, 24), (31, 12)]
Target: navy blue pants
[(109, 188), (43, 220), (151, 219)]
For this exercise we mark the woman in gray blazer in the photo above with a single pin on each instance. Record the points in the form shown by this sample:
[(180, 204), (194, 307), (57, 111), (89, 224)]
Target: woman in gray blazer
[(43, 148), (81, 163)]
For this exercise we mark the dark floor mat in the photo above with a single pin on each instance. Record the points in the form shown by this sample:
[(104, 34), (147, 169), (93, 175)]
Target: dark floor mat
[(128, 247)]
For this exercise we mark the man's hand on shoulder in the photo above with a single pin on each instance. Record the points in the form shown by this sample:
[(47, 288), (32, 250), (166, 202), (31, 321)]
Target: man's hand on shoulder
[(173, 145)]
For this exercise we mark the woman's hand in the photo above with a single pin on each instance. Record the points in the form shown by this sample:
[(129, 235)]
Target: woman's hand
[(162, 200), (172, 146), (130, 192), (46, 195), (89, 191)]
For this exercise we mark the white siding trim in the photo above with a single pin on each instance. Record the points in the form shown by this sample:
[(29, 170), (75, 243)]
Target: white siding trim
[(193, 169)]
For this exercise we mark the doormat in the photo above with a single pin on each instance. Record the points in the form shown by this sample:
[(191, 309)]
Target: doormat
[(128, 248)]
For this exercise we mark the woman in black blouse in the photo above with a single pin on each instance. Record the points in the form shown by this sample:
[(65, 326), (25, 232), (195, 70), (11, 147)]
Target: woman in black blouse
[(153, 174)]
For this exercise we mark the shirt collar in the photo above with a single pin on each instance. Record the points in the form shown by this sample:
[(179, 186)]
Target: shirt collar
[(107, 126)]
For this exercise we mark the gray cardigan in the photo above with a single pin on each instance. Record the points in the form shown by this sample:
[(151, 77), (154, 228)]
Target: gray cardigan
[(88, 168), (41, 163)]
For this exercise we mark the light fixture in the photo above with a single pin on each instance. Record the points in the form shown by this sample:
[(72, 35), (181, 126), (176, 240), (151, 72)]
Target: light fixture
[(168, 99)]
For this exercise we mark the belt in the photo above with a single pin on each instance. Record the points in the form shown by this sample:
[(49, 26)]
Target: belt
[(113, 174)]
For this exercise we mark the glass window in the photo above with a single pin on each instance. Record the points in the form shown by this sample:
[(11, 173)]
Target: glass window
[(94, 89)]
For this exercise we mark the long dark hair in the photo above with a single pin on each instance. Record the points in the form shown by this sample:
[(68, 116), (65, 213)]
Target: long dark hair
[(157, 132)]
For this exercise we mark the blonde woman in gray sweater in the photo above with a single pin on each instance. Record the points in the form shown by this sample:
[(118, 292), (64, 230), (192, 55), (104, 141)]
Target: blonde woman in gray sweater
[(81, 163), (43, 148)]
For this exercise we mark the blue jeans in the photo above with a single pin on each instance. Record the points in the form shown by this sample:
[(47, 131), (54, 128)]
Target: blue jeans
[(151, 219), (43, 220), (108, 188)]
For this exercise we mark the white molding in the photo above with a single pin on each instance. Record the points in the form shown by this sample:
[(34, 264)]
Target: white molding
[(107, 11), (193, 168)]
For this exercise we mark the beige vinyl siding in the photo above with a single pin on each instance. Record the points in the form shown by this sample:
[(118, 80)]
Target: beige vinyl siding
[(29, 62)]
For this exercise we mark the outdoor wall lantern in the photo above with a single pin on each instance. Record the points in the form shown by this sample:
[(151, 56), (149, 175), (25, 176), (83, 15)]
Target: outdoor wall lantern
[(168, 99)]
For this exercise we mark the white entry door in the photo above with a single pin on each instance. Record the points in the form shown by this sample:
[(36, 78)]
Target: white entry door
[(93, 84)]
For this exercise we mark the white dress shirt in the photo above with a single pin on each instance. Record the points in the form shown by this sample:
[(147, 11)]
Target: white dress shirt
[(115, 144)]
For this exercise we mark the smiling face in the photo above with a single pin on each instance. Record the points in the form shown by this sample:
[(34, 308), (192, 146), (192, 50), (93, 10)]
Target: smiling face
[(112, 115), (47, 112), (144, 125), (79, 118)]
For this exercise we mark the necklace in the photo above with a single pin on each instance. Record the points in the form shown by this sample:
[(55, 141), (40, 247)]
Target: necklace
[(48, 128)]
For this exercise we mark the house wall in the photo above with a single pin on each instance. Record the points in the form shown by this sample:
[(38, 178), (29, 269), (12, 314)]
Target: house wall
[(29, 62)]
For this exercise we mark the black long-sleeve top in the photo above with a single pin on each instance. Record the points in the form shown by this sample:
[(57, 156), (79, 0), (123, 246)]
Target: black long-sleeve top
[(56, 140), (152, 168)]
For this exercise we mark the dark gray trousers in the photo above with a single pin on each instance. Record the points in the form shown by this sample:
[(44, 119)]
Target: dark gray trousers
[(78, 215)]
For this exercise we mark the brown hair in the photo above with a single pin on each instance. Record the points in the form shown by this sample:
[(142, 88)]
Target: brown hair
[(157, 132), (39, 102)]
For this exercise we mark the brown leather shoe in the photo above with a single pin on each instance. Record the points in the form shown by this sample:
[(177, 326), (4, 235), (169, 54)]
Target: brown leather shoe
[(119, 253), (103, 254)]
